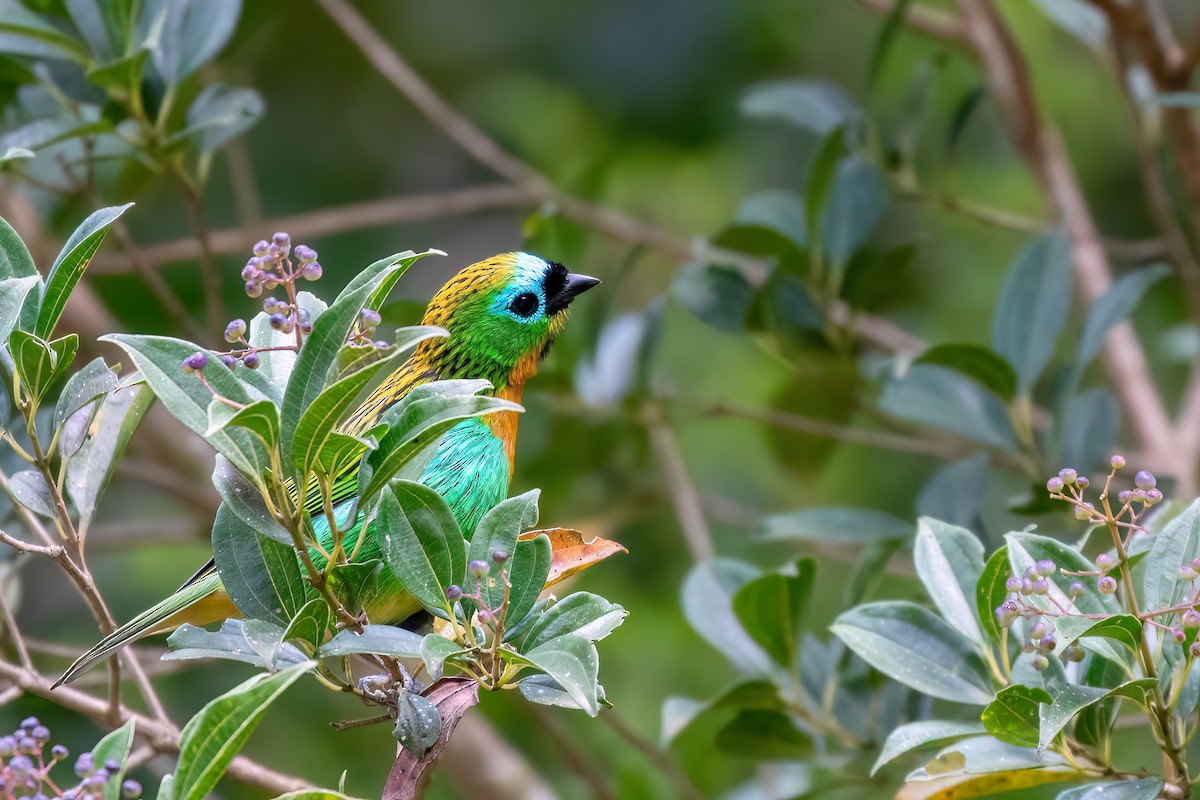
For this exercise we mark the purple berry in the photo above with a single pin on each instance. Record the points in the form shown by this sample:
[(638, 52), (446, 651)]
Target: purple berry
[(235, 330), (312, 271), (195, 362), (250, 361), (369, 318), (277, 321), (1055, 485), (41, 733), (1179, 635), (305, 254), (1076, 589), (131, 790), (1191, 619), (1144, 480), (478, 569), (1046, 567), (1107, 585), (1041, 586), (248, 273), (229, 361), (1104, 561), (453, 592), (59, 752), (1010, 608), (1117, 462), (1067, 475), (1038, 630), (1124, 496), (1153, 497), (1082, 483), (261, 248), (484, 615), (1085, 511), (253, 288), (1047, 643)]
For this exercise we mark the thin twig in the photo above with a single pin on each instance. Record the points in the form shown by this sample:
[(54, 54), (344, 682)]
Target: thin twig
[(688, 506), (666, 765), (14, 633)]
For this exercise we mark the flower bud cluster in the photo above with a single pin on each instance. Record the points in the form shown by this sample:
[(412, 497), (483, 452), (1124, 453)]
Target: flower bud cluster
[(1070, 486), (27, 760)]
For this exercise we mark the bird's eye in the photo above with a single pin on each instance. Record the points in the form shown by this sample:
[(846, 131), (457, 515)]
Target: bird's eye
[(523, 305)]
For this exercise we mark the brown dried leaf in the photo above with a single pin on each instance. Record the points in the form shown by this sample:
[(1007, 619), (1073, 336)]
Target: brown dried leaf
[(571, 553), (452, 696)]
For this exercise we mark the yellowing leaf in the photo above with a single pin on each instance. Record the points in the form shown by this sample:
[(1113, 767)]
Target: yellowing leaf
[(572, 553), (964, 786)]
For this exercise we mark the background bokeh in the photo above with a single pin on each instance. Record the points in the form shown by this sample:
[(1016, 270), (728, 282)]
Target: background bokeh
[(632, 104)]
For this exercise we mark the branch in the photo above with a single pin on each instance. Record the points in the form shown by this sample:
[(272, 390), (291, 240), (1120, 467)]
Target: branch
[(162, 736), (1041, 147), (338, 219), (688, 506)]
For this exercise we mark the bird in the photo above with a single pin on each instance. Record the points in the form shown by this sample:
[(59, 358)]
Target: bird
[(501, 316)]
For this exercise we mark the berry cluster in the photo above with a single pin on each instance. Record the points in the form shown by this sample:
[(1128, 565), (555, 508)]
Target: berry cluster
[(1040, 639), (1070, 486), (25, 768), (277, 264), (479, 570)]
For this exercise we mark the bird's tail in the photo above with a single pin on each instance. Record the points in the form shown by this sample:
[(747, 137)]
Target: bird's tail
[(200, 601)]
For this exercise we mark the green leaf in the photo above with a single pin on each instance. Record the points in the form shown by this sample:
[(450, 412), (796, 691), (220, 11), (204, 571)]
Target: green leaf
[(15, 260), (87, 385), (115, 746), (353, 584), (1069, 700), (1139, 789), (30, 489), (884, 41), (909, 644), (260, 418), (220, 113), (381, 639), (25, 33), (990, 591), (1176, 545), (190, 33), (311, 626), (544, 690), (1033, 307), (105, 26), (839, 525), (949, 562), (435, 649), (869, 570), (261, 645), (69, 266), (708, 593), (419, 420), (421, 542), (122, 76), (580, 614), (814, 106), (770, 224), (38, 363), (942, 398), (327, 410), (1015, 715), (1090, 427), (763, 736), (771, 609), (15, 294), (1112, 308), (246, 502), (262, 576), (499, 530), (913, 735), (91, 467), (1123, 628), (819, 175), (981, 364), (160, 359), (218, 732), (418, 724), (528, 571), (573, 663), (679, 713), (955, 492), (718, 295), (330, 331), (855, 205)]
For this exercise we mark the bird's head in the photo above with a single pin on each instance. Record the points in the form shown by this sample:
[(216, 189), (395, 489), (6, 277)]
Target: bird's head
[(503, 314)]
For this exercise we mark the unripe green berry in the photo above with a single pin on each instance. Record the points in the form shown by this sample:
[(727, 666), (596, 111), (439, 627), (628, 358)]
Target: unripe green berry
[(1187, 573), (1107, 585), (1040, 662), (1075, 653), (1085, 511)]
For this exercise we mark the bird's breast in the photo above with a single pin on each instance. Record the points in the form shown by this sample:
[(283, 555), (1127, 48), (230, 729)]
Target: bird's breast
[(470, 469)]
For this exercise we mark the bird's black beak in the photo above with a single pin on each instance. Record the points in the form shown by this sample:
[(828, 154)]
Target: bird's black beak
[(574, 285)]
